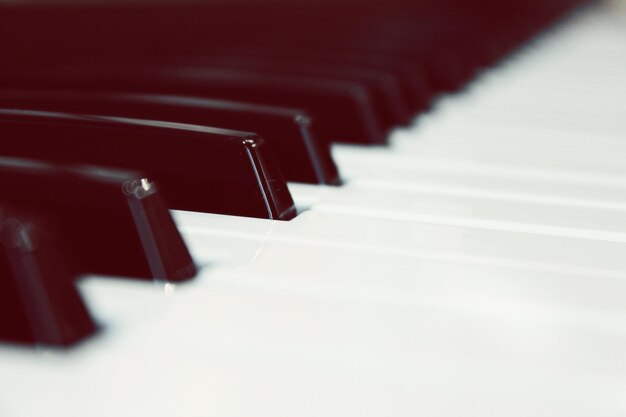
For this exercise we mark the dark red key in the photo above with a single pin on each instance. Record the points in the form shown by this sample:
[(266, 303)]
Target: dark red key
[(197, 168), (384, 89), (343, 111), (290, 133), (114, 222), (39, 304)]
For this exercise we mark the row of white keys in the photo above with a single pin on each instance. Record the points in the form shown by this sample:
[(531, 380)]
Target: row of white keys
[(508, 211), (236, 345), (321, 330), (420, 309), (318, 330)]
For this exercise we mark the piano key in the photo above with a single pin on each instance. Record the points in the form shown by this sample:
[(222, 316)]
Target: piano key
[(489, 211), (384, 90), (501, 147), (198, 168), (192, 21), (455, 283), (242, 240), (603, 116), (426, 43), (393, 171), (412, 83), (441, 73), (488, 124), (339, 337), (39, 304), (442, 68), (419, 40), (343, 111), (289, 132), (115, 222)]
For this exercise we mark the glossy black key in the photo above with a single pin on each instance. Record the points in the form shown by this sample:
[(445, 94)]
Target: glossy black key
[(290, 133), (442, 42), (38, 301), (443, 67), (115, 222), (411, 81), (343, 111), (197, 168), (384, 89)]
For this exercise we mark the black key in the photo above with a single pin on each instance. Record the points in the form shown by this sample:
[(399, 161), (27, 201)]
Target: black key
[(384, 89), (197, 168), (443, 68), (81, 32), (38, 301), (444, 42), (289, 132), (343, 111), (115, 222), (411, 81)]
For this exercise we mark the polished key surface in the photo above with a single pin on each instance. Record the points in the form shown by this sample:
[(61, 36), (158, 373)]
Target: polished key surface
[(289, 132), (196, 167), (114, 222)]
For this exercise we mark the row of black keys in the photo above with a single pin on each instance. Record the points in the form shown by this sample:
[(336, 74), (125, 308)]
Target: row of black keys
[(364, 71), (140, 98)]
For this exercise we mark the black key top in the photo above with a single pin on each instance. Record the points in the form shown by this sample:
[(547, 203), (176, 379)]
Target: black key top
[(343, 111), (197, 168), (384, 89), (410, 80), (79, 31), (38, 301), (442, 67), (289, 132), (115, 222)]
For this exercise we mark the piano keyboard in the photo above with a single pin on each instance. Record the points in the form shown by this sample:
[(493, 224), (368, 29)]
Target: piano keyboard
[(474, 267)]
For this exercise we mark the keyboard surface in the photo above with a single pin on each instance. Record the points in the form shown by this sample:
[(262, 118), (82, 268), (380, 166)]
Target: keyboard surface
[(475, 267)]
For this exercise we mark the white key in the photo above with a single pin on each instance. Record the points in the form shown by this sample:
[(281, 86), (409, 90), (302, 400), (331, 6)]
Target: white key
[(453, 207), (231, 344), (380, 168), (242, 239)]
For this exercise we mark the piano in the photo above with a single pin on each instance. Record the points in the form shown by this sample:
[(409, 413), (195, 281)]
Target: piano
[(469, 263)]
